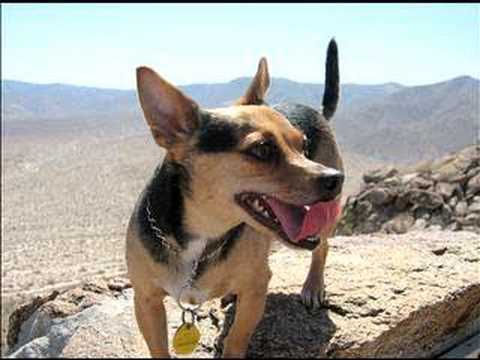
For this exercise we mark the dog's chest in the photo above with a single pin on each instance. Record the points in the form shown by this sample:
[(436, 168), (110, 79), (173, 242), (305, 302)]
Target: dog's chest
[(180, 282)]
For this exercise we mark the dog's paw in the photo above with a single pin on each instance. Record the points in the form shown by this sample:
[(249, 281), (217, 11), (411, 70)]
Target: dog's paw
[(313, 295)]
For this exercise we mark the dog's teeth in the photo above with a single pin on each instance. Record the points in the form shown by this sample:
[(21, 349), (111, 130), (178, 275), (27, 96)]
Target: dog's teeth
[(307, 207), (264, 197), (257, 206), (266, 214)]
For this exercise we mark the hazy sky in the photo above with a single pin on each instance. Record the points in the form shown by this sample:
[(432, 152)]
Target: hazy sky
[(101, 45)]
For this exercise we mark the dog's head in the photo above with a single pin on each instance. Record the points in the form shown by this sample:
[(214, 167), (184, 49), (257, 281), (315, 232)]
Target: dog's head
[(247, 162)]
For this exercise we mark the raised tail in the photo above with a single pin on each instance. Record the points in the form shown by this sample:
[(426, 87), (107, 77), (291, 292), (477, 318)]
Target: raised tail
[(332, 81)]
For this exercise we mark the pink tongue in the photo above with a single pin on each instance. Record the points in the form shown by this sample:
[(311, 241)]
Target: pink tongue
[(300, 223)]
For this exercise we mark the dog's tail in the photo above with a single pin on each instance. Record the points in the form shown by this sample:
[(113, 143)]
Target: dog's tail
[(332, 81)]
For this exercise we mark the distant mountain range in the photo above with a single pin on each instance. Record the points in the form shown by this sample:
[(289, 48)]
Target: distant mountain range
[(27, 101), (388, 122), (414, 123)]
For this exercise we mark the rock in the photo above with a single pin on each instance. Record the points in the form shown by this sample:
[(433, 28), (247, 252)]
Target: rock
[(445, 189), (441, 192), (393, 181), (454, 226), (408, 177), (421, 183), (420, 224), (376, 196), (22, 314), (471, 220), (461, 208), (422, 213), (453, 202), (106, 329), (402, 201), (473, 171), (440, 251), (455, 167), (473, 185), (118, 284), (370, 227), (424, 198), (56, 306), (446, 213), (364, 207), (400, 224), (446, 172), (378, 175), (474, 207), (350, 201), (411, 295)]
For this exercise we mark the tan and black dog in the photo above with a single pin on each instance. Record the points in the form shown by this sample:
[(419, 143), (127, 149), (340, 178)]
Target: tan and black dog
[(233, 180)]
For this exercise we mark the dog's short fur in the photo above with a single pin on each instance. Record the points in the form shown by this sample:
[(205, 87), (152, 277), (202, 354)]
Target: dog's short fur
[(197, 200)]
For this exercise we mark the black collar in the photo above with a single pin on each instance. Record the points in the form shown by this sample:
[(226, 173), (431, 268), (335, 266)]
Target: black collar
[(218, 250)]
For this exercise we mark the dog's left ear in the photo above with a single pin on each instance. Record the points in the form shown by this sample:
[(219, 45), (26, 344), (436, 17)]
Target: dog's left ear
[(255, 94)]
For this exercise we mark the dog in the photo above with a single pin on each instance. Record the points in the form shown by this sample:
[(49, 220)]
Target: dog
[(233, 180)]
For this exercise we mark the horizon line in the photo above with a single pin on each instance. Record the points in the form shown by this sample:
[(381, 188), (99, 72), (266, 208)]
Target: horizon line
[(239, 78)]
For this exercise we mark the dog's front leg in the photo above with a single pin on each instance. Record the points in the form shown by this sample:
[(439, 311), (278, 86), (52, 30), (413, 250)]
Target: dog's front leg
[(250, 306), (152, 321), (313, 292)]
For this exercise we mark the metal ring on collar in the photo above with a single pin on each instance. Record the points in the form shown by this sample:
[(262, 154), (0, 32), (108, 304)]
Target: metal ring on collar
[(185, 308), (189, 309), (192, 314)]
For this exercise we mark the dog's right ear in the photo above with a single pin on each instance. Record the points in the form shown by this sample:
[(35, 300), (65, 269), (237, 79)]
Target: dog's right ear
[(171, 115), (255, 94)]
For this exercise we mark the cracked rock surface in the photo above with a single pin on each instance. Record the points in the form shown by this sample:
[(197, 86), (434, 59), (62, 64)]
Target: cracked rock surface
[(403, 295)]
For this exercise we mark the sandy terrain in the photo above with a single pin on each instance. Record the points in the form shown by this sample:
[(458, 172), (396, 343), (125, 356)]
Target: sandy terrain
[(65, 206)]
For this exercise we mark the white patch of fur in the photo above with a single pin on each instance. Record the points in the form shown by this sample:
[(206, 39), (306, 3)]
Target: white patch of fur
[(194, 249), (176, 284)]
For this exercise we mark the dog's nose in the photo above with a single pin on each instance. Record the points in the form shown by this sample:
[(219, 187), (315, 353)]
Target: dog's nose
[(330, 184)]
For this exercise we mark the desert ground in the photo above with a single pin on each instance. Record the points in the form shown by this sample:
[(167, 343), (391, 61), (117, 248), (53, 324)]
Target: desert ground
[(66, 201), (65, 206)]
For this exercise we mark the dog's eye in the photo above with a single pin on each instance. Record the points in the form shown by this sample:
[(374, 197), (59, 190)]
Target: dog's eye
[(263, 150)]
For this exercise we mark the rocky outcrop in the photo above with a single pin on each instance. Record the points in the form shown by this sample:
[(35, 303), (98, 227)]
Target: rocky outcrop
[(444, 194), (415, 294)]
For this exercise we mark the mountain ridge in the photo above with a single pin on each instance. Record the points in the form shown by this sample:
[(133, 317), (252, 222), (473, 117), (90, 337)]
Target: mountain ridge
[(390, 121), (240, 78)]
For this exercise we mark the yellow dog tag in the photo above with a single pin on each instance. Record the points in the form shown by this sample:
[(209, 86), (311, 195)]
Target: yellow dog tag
[(186, 339)]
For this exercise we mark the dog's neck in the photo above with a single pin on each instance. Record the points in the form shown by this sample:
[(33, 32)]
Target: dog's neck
[(171, 206), (203, 223)]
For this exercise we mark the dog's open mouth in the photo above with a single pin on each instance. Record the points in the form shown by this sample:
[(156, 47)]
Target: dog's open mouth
[(300, 226)]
